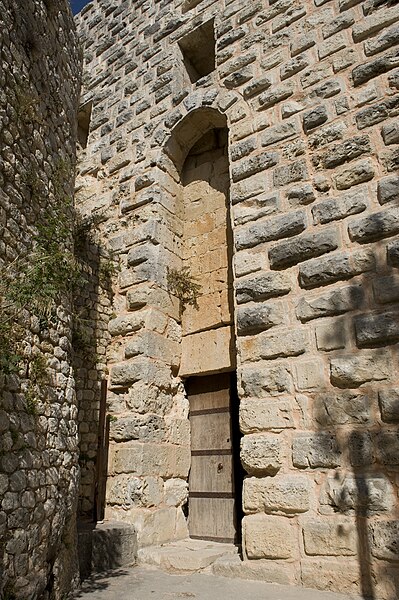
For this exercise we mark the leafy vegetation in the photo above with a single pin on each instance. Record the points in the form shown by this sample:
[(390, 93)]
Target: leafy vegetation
[(183, 285)]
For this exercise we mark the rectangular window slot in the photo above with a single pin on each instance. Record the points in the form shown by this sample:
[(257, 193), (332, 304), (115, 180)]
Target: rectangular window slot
[(189, 4), (198, 50), (84, 117)]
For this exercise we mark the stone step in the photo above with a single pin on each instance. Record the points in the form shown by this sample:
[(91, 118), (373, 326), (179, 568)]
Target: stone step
[(105, 546), (185, 556)]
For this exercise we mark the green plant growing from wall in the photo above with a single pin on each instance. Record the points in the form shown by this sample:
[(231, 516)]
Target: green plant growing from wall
[(42, 278), (184, 286)]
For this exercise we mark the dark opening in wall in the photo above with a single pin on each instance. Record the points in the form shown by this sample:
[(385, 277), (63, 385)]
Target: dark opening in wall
[(84, 117), (189, 4), (198, 49)]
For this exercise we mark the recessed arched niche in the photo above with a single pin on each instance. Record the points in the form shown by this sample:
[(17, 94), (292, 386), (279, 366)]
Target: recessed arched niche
[(198, 150)]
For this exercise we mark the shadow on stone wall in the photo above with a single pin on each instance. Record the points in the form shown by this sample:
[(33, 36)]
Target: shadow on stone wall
[(358, 418), (92, 305)]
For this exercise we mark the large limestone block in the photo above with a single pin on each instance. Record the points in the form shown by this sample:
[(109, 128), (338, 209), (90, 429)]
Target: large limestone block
[(271, 571), (280, 494), (384, 538), (145, 397), (315, 450), (131, 491), (352, 371), (265, 380), (147, 427), (348, 494), (164, 460), (262, 414), (141, 369), (331, 536), (269, 537), (341, 575), (175, 492), (153, 345), (153, 526), (283, 343), (207, 352), (261, 454), (151, 295)]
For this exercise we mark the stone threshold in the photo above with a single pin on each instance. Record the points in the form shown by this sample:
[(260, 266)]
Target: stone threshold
[(186, 556)]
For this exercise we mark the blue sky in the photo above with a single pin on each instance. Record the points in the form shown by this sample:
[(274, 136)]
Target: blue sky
[(77, 5)]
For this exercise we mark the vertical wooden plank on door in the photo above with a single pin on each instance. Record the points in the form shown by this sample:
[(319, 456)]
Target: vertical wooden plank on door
[(211, 481)]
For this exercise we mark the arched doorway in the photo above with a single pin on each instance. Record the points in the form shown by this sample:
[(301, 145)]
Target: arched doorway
[(208, 357)]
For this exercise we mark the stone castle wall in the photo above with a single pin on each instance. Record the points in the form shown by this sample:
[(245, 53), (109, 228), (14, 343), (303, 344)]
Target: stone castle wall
[(310, 96), (39, 81)]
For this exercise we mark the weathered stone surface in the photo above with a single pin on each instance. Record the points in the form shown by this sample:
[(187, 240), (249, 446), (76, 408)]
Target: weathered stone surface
[(261, 454), (363, 73), (125, 490), (387, 443), (374, 227), (283, 343), (326, 135), (346, 151), (375, 114), (309, 374), (330, 537), (393, 253), (265, 379), (390, 132), (330, 304), (301, 194), (389, 404), (390, 160), (293, 67), (339, 208), (388, 189), (315, 450), (252, 319), (352, 371), (301, 248), (262, 414), (365, 494), (138, 427), (146, 459), (175, 492), (219, 355), (277, 94), (272, 228), (287, 494), (331, 336), (273, 571), (360, 446), (295, 171), (278, 133), (314, 118), (328, 575), (384, 536), (341, 22), (255, 164), (376, 330), (374, 23), (357, 173), (262, 287), (269, 537), (328, 269), (331, 408)]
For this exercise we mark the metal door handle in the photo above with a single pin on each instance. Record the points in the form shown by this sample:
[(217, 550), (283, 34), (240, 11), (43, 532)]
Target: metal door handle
[(220, 467)]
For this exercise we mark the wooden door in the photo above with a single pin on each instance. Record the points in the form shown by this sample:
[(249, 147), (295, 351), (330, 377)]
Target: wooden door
[(212, 514)]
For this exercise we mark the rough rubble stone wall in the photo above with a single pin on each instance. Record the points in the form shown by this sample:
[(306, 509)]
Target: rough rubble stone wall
[(310, 91), (39, 83)]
